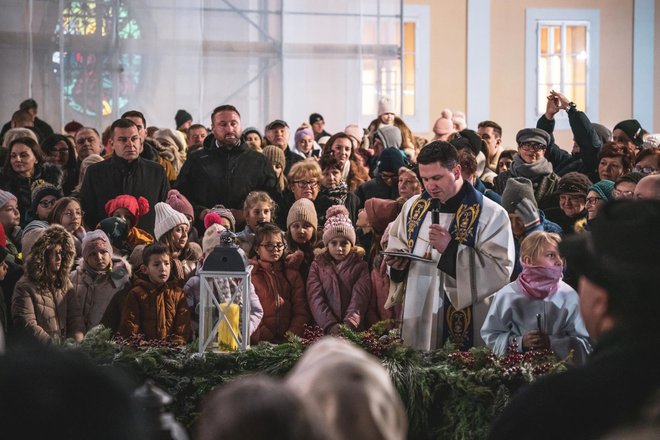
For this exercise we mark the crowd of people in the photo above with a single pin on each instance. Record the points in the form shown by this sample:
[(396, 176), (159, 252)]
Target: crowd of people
[(453, 239)]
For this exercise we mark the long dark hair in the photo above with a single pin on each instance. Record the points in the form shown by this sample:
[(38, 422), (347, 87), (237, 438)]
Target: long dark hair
[(36, 150)]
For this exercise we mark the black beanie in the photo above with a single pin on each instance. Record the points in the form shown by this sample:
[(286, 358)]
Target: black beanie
[(182, 117), (633, 129)]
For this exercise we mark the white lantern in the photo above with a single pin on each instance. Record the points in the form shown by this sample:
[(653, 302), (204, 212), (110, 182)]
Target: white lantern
[(224, 298)]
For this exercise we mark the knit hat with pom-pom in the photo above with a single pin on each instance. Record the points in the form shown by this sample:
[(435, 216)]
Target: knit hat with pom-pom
[(216, 214), (212, 237), (137, 207), (179, 202), (338, 225), (41, 189)]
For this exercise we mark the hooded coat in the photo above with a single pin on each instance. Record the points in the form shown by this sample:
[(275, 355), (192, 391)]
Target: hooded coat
[(339, 294), (281, 293), (44, 306), (94, 290)]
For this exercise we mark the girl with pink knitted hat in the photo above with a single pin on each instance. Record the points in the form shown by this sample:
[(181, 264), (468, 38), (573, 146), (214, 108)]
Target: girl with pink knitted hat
[(338, 284)]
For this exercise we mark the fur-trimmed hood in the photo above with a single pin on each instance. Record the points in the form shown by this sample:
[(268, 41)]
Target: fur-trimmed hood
[(36, 261)]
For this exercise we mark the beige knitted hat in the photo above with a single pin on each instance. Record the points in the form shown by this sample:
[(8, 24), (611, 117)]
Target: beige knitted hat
[(338, 224), (274, 154), (302, 210)]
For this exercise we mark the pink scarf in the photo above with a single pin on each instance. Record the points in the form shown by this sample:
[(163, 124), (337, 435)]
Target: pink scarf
[(539, 282)]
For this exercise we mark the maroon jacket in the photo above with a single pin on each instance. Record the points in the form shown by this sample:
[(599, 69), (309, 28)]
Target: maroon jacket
[(281, 292), (339, 294)]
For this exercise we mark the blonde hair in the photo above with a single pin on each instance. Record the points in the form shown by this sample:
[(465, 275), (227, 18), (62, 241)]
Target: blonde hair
[(259, 197), (534, 244), (304, 168)]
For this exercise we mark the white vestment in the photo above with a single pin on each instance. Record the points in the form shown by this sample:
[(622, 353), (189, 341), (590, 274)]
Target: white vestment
[(512, 314), (480, 272)]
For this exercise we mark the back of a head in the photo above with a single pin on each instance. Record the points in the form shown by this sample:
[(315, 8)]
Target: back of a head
[(56, 395), (351, 389), (621, 254), (257, 408)]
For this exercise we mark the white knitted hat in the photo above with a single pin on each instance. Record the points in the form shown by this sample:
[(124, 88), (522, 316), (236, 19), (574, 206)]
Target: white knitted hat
[(167, 218)]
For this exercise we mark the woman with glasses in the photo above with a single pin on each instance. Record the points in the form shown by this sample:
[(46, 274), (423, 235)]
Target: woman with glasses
[(304, 180), (530, 162), (59, 150), (599, 194), (25, 163), (68, 213)]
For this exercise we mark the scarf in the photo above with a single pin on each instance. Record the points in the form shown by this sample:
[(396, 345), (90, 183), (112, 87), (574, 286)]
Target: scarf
[(532, 171), (539, 282), (336, 194)]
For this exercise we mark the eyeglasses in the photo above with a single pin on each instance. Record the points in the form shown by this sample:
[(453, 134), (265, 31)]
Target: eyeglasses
[(304, 183), (593, 200), (387, 176), (618, 194), (271, 247), (531, 146), (73, 213), (47, 203)]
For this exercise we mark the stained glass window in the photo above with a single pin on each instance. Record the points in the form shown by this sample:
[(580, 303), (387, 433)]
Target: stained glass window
[(94, 74)]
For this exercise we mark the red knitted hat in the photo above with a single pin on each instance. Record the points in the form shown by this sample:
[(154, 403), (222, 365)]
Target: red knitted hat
[(179, 202), (3, 244), (137, 207)]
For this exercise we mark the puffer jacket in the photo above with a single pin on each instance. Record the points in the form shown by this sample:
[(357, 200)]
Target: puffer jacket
[(157, 312), (281, 292), (339, 294), (94, 290), (47, 314)]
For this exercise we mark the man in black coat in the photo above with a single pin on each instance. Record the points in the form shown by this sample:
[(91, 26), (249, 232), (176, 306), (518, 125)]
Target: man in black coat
[(225, 170), (125, 172), (619, 273)]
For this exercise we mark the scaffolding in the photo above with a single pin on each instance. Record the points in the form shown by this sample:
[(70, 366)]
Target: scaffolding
[(92, 60)]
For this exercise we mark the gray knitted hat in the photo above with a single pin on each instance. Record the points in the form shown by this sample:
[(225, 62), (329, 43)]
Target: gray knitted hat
[(516, 190)]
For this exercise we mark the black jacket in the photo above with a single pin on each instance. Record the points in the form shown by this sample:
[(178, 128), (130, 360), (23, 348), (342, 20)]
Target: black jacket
[(586, 138), (377, 188), (213, 175), (115, 176)]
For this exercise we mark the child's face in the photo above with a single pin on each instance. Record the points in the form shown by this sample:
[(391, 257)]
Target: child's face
[(301, 232), (71, 218), (363, 222), (45, 206), (158, 269), (549, 257), (278, 169), (3, 270), (339, 248), (254, 140), (99, 260), (180, 236), (55, 258), (260, 212), (271, 248), (125, 214), (10, 216), (331, 177)]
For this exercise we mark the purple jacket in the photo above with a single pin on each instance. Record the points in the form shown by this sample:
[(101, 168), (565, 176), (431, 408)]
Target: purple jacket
[(339, 294)]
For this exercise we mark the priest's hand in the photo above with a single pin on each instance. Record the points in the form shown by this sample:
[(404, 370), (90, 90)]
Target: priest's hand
[(535, 340), (397, 263), (439, 237)]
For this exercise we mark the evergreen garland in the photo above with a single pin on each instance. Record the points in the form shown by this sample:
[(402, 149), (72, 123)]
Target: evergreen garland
[(447, 394)]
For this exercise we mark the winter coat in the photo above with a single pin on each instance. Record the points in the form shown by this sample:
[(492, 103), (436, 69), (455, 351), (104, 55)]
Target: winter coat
[(43, 305), (339, 293), (46, 313), (213, 175), (94, 291), (380, 284), (281, 292), (21, 186), (157, 312), (376, 188), (115, 176)]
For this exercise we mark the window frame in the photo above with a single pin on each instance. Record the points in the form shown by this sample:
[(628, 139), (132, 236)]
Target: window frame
[(564, 17)]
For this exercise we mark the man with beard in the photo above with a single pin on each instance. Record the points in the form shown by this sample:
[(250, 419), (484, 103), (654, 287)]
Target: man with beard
[(225, 170)]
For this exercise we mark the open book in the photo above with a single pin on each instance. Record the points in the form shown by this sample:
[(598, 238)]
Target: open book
[(406, 254)]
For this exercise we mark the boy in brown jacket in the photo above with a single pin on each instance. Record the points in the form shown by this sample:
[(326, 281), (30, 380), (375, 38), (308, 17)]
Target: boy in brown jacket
[(155, 308)]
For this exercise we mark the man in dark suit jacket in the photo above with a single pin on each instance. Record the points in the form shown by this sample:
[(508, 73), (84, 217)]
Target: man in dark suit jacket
[(125, 172)]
